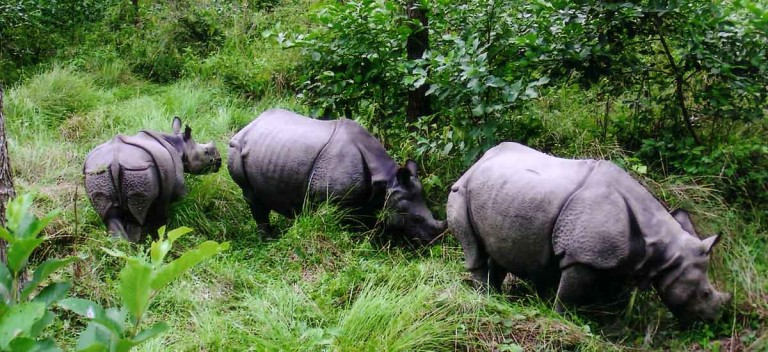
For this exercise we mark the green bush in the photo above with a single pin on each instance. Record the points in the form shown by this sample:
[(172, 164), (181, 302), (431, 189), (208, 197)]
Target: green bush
[(354, 58), (24, 313), (121, 329)]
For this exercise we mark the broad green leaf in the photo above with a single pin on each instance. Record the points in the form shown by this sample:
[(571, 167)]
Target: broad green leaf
[(46, 345), (154, 330), (118, 316), (174, 234), (82, 307), (18, 212), (18, 321), (95, 347), (4, 234), (123, 345), (3, 307), (135, 290), (158, 251), (42, 272), (94, 338), (174, 269), (94, 312), (161, 247), (115, 252), (6, 283), (25, 344), (53, 293), (22, 344), (41, 324), (35, 225), (19, 251)]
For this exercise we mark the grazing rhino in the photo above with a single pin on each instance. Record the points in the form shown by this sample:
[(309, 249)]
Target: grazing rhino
[(583, 225), (281, 158), (131, 180)]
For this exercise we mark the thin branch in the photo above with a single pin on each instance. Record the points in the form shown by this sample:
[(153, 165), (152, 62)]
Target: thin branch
[(679, 82)]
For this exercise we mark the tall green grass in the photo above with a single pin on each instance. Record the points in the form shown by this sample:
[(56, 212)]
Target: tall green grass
[(321, 286)]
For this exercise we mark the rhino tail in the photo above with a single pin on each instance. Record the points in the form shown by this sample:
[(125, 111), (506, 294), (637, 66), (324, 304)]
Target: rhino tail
[(236, 166)]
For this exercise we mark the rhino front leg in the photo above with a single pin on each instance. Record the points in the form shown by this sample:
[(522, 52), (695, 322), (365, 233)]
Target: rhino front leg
[(576, 285), (475, 257), (496, 274)]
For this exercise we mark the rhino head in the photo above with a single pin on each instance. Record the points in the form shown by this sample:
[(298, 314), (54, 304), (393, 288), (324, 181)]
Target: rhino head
[(406, 209), (197, 158), (683, 284)]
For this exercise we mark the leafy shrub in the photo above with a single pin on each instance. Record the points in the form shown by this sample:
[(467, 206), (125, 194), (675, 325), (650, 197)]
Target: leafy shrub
[(354, 58), (23, 314), (740, 167), (32, 31), (142, 277), (679, 68)]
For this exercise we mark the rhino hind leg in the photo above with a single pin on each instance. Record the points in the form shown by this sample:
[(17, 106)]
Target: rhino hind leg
[(260, 213), (119, 226), (475, 257)]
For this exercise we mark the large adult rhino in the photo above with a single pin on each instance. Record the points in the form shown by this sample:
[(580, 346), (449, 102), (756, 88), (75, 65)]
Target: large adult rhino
[(131, 180), (583, 225), (282, 158)]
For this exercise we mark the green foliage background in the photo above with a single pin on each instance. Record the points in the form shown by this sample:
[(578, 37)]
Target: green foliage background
[(576, 79)]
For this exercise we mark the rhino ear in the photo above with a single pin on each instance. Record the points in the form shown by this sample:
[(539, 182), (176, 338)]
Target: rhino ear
[(187, 133), (176, 125), (404, 177), (684, 220), (710, 243), (412, 166)]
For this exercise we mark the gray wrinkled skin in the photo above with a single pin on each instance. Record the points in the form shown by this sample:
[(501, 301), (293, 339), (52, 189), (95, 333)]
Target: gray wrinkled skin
[(131, 180), (282, 158), (584, 226)]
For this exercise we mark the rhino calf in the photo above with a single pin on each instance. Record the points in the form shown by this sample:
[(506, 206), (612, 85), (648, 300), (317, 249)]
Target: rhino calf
[(581, 226), (282, 158), (131, 180)]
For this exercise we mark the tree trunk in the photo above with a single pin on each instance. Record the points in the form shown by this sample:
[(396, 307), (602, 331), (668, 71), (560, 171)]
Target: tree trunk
[(6, 177), (416, 44)]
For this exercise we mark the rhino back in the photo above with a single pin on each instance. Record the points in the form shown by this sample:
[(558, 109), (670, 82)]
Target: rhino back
[(278, 151), (349, 164), (515, 196)]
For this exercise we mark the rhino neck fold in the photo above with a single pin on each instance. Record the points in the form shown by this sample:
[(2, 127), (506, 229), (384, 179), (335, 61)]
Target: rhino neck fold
[(175, 141), (661, 236)]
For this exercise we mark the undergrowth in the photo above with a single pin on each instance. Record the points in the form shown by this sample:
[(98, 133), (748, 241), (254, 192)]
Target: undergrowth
[(321, 286)]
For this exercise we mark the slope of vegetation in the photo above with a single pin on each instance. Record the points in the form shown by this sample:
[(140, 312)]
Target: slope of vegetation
[(218, 64)]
